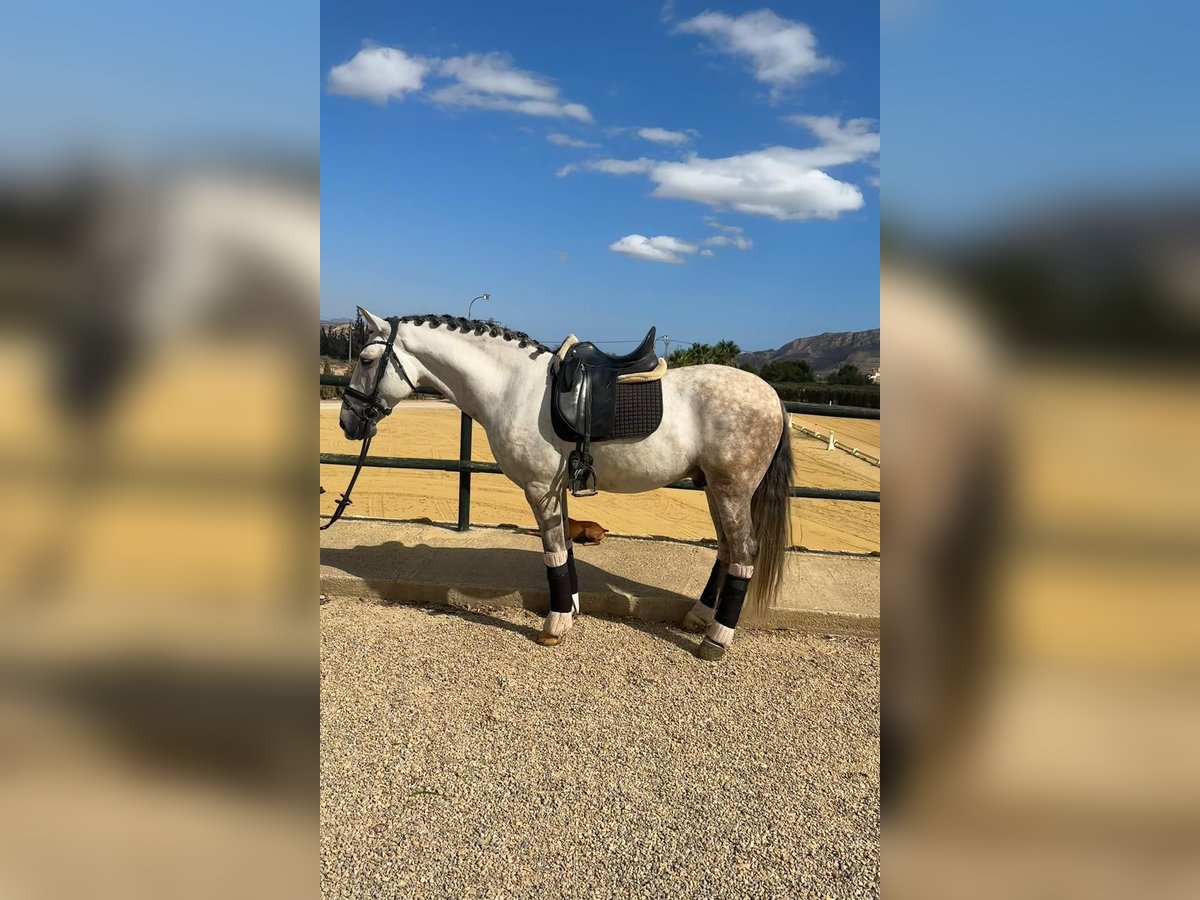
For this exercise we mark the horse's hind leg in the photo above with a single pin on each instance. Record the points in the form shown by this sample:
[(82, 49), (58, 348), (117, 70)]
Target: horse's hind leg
[(733, 504), (701, 615), (547, 509)]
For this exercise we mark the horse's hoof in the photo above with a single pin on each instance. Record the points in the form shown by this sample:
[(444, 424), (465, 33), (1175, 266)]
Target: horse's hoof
[(550, 640), (710, 650), (693, 623)]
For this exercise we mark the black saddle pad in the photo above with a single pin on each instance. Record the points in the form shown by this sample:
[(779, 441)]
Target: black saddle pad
[(638, 413)]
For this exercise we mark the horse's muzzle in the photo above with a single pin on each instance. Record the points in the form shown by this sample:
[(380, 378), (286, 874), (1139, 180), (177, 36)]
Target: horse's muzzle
[(356, 427)]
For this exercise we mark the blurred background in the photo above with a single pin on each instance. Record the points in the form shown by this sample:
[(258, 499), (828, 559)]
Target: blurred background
[(159, 283), (1040, 300), (159, 275)]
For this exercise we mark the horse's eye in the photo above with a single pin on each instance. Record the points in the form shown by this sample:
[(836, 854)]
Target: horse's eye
[(366, 363)]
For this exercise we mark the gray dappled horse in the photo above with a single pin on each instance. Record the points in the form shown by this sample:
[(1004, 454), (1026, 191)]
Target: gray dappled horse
[(724, 428)]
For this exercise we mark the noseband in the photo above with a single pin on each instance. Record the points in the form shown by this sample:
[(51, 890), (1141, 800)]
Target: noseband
[(373, 409)]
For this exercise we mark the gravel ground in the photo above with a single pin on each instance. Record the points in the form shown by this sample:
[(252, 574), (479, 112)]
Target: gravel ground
[(460, 759)]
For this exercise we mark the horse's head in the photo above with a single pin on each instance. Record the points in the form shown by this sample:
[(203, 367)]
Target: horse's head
[(379, 380)]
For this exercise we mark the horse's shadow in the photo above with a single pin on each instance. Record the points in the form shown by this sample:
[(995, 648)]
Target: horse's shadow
[(477, 570)]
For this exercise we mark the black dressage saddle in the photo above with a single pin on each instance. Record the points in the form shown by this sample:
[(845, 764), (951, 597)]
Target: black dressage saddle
[(595, 396)]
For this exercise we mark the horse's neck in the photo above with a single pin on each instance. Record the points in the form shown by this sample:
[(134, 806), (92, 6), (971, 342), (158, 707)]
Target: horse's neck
[(473, 372)]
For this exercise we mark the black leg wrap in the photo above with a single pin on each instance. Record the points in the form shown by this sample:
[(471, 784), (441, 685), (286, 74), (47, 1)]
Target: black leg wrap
[(571, 570), (560, 588), (709, 595), (733, 595)]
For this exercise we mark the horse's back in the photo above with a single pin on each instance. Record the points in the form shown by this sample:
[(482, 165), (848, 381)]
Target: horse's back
[(722, 390), (731, 418)]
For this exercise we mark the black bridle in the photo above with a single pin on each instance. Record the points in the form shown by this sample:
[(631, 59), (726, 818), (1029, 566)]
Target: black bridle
[(373, 409)]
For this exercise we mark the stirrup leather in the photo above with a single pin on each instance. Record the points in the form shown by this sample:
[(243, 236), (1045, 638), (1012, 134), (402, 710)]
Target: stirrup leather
[(579, 464)]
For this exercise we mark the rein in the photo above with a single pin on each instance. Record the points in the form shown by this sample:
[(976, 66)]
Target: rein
[(373, 410), (344, 500)]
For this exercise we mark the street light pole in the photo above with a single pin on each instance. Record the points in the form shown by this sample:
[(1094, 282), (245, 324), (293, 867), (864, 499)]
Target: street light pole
[(483, 297)]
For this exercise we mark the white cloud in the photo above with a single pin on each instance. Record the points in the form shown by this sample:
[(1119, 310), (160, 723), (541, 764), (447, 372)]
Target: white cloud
[(663, 136), (728, 229), (458, 95), (638, 166), (663, 248), (779, 182), (781, 52), (565, 140), (622, 166), (490, 81), (725, 240), (784, 183), (854, 140), (493, 73), (379, 73), (707, 253), (478, 80)]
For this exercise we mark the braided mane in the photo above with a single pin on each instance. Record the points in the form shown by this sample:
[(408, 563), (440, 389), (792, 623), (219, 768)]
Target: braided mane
[(475, 326)]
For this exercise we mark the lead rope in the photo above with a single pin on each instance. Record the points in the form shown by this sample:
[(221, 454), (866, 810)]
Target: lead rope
[(344, 500), (387, 355)]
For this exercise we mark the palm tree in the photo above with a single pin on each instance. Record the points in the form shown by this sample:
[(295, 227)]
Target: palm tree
[(725, 353), (678, 359)]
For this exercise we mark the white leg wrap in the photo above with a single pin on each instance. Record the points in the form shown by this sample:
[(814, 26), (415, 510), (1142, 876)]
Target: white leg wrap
[(720, 634), (703, 613), (557, 624), (741, 571), (575, 603), (556, 559)]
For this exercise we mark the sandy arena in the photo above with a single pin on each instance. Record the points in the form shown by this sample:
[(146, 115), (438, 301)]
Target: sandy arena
[(430, 429)]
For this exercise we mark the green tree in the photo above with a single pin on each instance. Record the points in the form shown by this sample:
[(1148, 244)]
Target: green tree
[(848, 374), (678, 359), (360, 331), (787, 371), (725, 353)]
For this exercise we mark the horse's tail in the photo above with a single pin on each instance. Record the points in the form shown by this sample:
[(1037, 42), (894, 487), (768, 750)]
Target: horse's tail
[(771, 512)]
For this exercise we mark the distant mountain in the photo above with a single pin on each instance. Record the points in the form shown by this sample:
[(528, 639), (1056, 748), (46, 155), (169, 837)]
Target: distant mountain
[(325, 322), (824, 353)]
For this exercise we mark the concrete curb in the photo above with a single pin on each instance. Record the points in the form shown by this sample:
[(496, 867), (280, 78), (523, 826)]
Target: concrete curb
[(651, 581)]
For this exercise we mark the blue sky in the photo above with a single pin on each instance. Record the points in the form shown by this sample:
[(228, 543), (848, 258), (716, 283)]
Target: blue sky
[(143, 79), (471, 147), (997, 109)]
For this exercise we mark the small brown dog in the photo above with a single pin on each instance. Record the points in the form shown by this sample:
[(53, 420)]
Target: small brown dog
[(586, 532)]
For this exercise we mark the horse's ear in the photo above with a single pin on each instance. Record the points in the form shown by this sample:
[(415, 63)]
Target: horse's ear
[(375, 324)]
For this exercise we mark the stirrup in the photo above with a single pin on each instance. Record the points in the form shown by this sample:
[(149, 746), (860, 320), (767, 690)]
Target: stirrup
[(582, 474)]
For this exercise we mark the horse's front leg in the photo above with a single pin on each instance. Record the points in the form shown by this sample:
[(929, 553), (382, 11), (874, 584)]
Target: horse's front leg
[(548, 510)]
